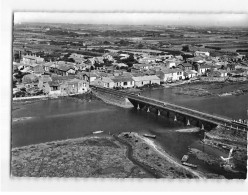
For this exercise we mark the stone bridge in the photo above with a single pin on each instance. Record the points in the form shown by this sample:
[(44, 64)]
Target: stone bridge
[(177, 113)]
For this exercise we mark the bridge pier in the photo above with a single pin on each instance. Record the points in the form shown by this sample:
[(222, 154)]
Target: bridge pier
[(138, 107), (188, 123), (202, 128), (175, 118), (158, 113), (148, 109)]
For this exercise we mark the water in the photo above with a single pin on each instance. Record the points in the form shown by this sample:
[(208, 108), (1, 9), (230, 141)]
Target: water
[(71, 118), (62, 119), (230, 106)]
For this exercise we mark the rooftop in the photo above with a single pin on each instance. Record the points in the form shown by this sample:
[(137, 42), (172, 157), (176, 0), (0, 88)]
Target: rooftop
[(122, 79)]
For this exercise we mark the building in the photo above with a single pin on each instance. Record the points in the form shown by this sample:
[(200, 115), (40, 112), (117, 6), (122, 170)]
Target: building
[(104, 82), (65, 86), (166, 75), (47, 66), (32, 59), (64, 70), (185, 66), (202, 53), (170, 63), (38, 69), (142, 66), (43, 81), (190, 74), (88, 76), (74, 86), (140, 81), (203, 68), (123, 82)]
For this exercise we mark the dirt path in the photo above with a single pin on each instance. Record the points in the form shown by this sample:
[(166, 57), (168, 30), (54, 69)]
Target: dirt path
[(129, 154), (168, 157)]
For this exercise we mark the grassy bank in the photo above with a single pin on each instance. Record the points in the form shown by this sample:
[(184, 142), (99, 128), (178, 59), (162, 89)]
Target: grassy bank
[(146, 152), (99, 157), (212, 88), (82, 157)]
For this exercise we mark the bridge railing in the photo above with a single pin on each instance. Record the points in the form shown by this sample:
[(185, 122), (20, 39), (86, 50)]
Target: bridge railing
[(172, 106)]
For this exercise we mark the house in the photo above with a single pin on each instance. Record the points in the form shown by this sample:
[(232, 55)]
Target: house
[(140, 81), (147, 60), (202, 68), (65, 85), (185, 66), (38, 69), (108, 57), (122, 81), (190, 74), (124, 56), (166, 75), (142, 66), (74, 86), (32, 59), (196, 60), (88, 76), (222, 73), (104, 82), (52, 88), (47, 66), (170, 63), (43, 80), (81, 66), (29, 78), (120, 65), (64, 70), (202, 53)]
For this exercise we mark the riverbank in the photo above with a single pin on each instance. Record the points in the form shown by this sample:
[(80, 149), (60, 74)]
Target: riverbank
[(85, 97), (115, 100), (94, 156), (98, 156), (226, 140), (200, 88), (147, 152)]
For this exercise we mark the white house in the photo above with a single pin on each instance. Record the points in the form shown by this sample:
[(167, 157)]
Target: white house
[(104, 82), (121, 81), (190, 73), (202, 53), (144, 80), (170, 74)]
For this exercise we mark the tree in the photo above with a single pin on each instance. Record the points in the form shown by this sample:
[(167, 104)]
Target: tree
[(185, 48)]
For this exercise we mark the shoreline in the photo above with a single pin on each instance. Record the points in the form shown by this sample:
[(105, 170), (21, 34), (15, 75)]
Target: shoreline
[(168, 157), (147, 157)]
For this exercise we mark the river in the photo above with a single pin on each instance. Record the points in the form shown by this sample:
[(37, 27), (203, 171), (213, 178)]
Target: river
[(230, 106), (60, 119)]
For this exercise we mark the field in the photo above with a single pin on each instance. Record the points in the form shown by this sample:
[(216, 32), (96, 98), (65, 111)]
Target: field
[(69, 37)]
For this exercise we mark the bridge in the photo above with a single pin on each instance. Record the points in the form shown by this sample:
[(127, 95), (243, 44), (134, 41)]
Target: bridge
[(176, 112)]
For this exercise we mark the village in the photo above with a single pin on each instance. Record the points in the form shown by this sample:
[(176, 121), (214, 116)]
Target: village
[(74, 73)]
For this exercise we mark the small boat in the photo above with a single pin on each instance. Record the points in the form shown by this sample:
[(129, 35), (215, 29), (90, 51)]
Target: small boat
[(96, 132), (189, 165), (185, 158), (150, 136)]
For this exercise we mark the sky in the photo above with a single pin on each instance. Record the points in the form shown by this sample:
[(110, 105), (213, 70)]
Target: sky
[(197, 19)]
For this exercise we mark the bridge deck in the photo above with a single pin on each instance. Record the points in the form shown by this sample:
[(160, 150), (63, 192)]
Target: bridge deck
[(218, 120)]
